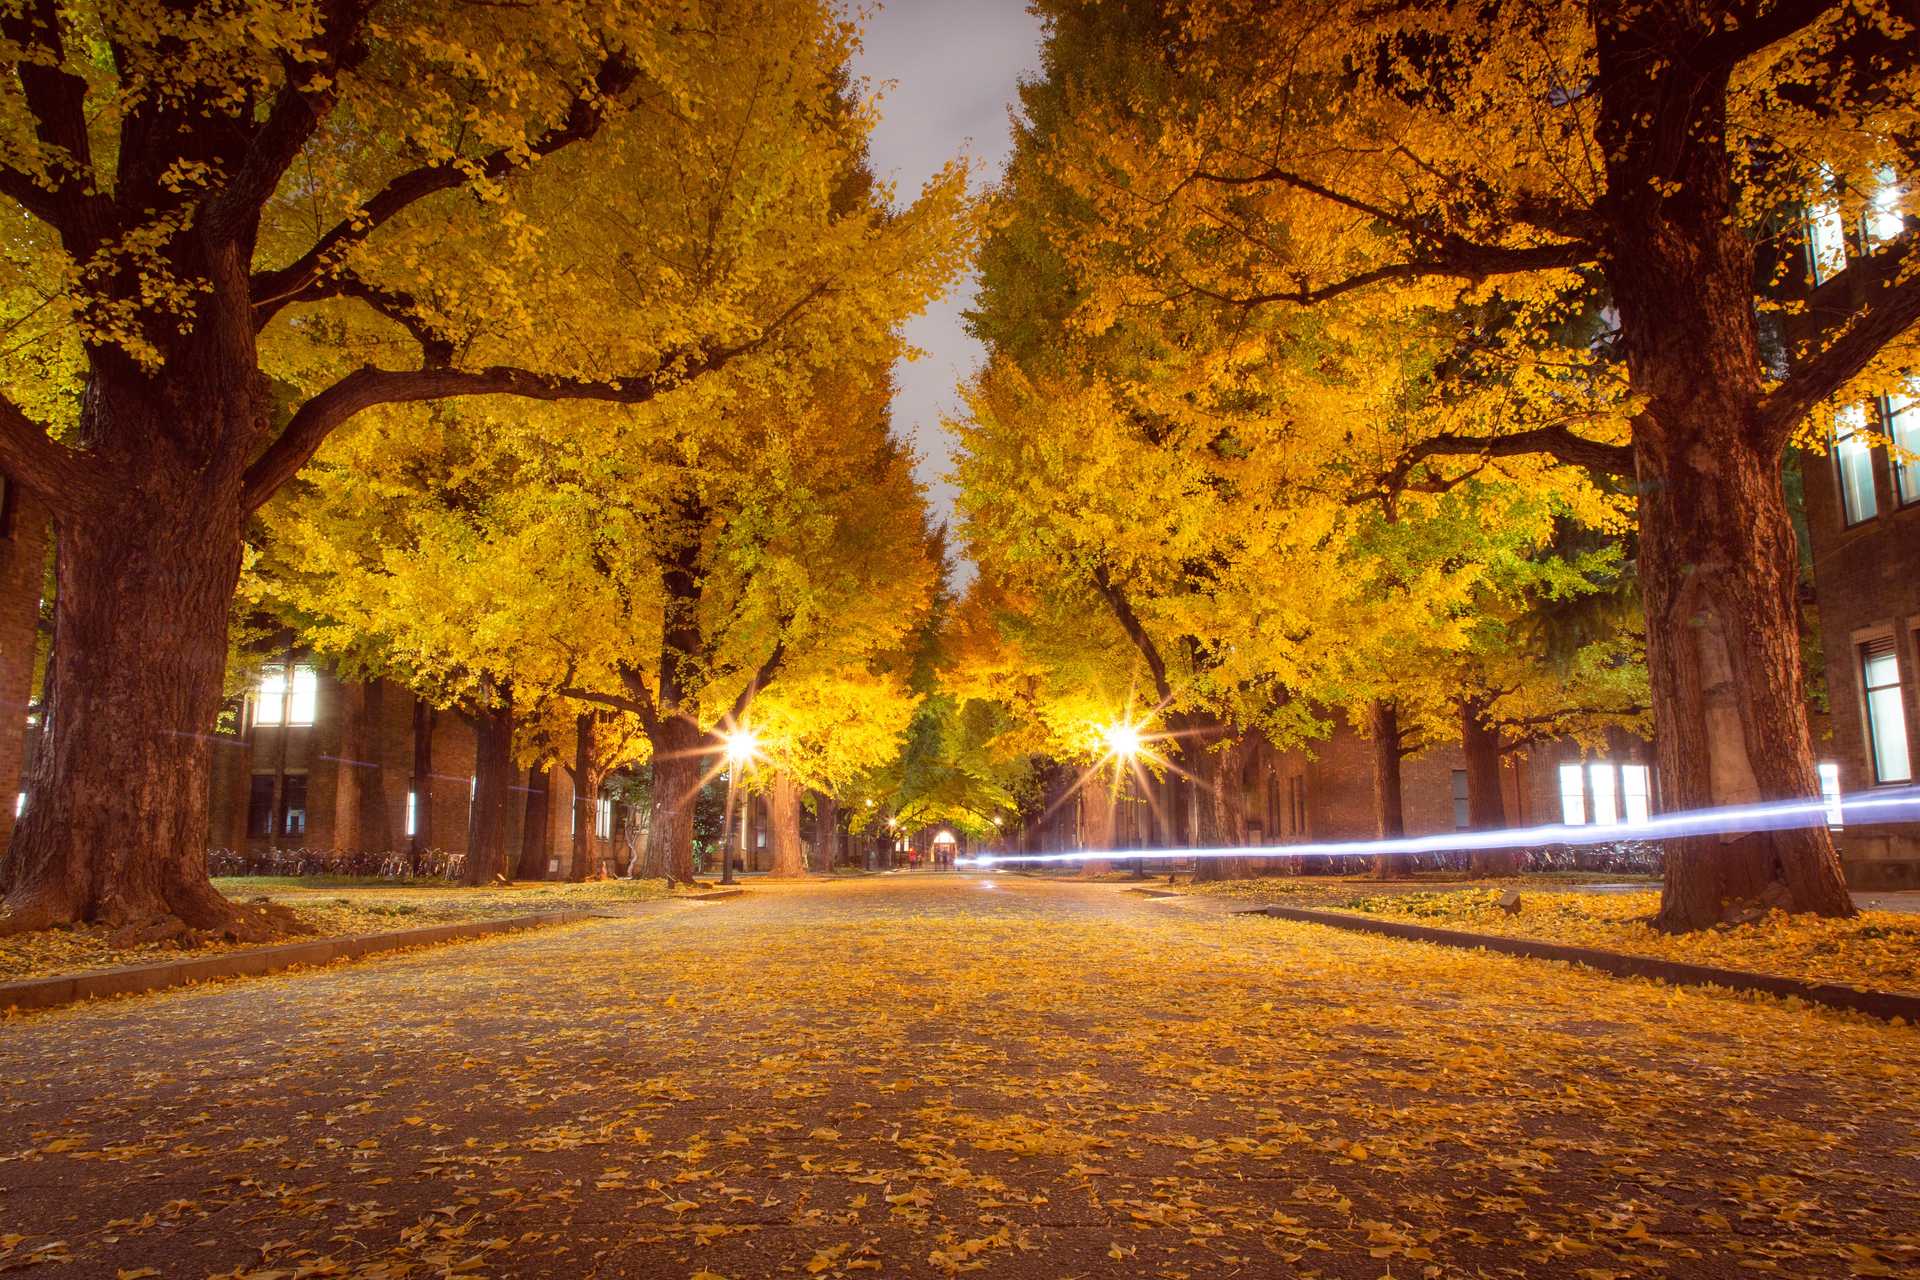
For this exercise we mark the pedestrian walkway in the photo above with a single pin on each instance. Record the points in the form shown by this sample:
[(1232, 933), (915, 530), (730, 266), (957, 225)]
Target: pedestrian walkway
[(911, 1076)]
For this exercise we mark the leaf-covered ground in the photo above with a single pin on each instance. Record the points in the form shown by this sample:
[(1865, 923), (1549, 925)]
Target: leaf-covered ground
[(1874, 949), (331, 908), (919, 1075)]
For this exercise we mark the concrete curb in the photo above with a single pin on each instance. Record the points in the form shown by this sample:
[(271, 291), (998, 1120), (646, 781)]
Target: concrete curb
[(49, 993), (1890, 1005), (713, 895)]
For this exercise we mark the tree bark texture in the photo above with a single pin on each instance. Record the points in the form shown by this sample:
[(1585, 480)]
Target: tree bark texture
[(1388, 810), (1718, 563), (1486, 803), (587, 776), (1098, 800), (826, 832), (783, 809), (533, 831), (492, 787), (678, 759), (117, 831)]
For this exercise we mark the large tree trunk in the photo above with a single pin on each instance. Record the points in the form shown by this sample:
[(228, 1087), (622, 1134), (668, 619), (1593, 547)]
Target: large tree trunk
[(826, 832), (1229, 827), (117, 831), (1218, 811), (586, 800), (783, 811), (533, 831), (492, 784), (1388, 810), (1486, 804), (1097, 805), (1718, 565), (422, 839), (678, 760)]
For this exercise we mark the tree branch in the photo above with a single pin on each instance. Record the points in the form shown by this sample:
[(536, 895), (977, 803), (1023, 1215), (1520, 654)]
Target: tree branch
[(273, 290), (59, 476), (761, 679), (366, 387), (57, 100), (1130, 623), (1470, 262), (1556, 442), (1729, 46), (306, 98), (1871, 303)]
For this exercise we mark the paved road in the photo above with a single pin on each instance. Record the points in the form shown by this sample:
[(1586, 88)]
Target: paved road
[(921, 1075)]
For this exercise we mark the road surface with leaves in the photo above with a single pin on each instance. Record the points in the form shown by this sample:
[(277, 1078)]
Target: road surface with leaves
[(918, 1075)]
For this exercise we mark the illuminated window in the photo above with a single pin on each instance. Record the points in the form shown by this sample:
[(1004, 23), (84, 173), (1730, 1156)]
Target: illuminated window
[(1573, 795), (1853, 459), (1462, 810), (1830, 792), (1886, 713), (20, 804), (603, 820), (1636, 792), (276, 703), (413, 813), (1903, 428), (1826, 241), (1605, 811), (1882, 221)]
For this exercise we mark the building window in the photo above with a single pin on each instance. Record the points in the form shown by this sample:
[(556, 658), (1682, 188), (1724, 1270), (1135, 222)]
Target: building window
[(1881, 220), (1636, 792), (1273, 803), (277, 700), (20, 804), (1826, 241), (1462, 811), (1853, 459), (293, 805), (413, 813), (603, 820), (1606, 810), (1903, 429), (1830, 793), (1297, 794), (260, 806), (1573, 795), (1886, 712)]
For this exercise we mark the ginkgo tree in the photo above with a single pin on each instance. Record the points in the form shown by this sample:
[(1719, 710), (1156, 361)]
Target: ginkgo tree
[(255, 223), (1369, 162)]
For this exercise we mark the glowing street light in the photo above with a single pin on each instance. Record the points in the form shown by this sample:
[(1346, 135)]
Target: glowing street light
[(742, 746), (1122, 739)]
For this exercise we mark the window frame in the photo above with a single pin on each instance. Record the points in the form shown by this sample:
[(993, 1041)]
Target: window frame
[(1842, 440), (1895, 422), (1867, 648)]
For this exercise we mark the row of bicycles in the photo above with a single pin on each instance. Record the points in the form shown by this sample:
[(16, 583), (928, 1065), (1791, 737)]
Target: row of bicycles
[(428, 864)]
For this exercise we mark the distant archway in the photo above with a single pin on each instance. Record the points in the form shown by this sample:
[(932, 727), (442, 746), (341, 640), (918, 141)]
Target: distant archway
[(946, 846)]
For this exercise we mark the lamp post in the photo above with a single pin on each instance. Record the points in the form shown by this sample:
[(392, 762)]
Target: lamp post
[(740, 746)]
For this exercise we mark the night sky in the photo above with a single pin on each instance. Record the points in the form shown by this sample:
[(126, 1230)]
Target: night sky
[(954, 67)]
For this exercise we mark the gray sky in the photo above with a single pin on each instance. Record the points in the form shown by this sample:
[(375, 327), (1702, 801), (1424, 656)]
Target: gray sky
[(954, 65)]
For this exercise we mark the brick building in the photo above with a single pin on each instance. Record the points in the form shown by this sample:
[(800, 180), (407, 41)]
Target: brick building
[(1863, 515), (1863, 511), (312, 761)]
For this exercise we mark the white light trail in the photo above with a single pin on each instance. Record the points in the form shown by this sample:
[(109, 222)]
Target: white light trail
[(1876, 807)]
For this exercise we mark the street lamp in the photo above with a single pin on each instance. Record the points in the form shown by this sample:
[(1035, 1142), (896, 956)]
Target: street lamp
[(740, 746), (1122, 739)]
